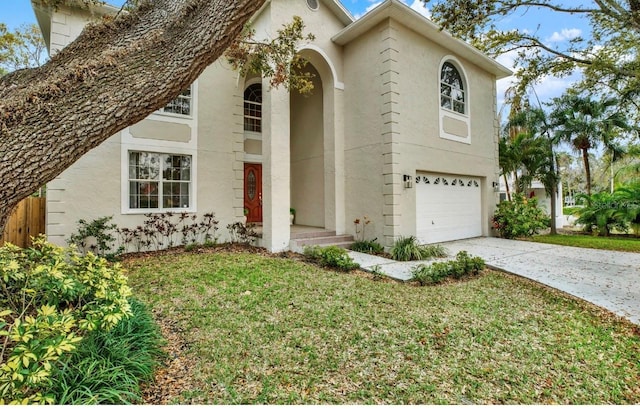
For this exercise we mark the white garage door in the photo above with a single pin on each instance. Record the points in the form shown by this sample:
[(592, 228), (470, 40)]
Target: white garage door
[(448, 207)]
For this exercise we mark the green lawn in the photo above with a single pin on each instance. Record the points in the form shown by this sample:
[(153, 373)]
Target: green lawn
[(592, 242), (262, 329)]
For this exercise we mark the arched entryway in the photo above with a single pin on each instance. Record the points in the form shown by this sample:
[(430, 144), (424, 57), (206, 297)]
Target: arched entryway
[(307, 153)]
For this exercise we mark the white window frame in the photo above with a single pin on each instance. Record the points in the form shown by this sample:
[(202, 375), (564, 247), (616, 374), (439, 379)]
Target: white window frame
[(252, 134), (445, 113), (453, 89), (126, 188), (190, 98)]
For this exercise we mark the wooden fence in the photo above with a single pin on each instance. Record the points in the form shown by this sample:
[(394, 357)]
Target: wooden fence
[(27, 219)]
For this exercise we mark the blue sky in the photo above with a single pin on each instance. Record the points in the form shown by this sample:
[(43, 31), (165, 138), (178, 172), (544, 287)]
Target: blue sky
[(558, 28)]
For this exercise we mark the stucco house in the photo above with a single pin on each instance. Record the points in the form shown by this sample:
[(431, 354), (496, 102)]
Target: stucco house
[(401, 127)]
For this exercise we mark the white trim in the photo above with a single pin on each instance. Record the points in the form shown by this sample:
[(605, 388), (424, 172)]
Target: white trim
[(255, 136), (124, 177), (251, 158), (450, 113), (336, 84)]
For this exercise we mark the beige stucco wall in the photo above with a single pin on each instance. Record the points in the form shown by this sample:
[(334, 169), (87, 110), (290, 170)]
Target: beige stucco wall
[(420, 145), (335, 156), (363, 136), (392, 128)]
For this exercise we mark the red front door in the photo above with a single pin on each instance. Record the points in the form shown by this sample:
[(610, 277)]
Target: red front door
[(253, 192)]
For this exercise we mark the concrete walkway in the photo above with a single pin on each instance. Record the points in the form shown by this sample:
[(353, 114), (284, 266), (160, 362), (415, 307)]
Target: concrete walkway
[(610, 279)]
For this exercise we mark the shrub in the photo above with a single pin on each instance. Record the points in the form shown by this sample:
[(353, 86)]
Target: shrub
[(408, 249), (434, 250), (108, 366), (331, 256), (241, 233), (435, 273), (367, 246), (51, 298), (519, 217), (96, 236), (605, 211)]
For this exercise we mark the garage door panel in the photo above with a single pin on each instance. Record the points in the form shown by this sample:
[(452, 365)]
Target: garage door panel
[(448, 207)]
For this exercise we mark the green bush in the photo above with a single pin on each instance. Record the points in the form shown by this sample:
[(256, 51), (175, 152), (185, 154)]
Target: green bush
[(51, 298), (408, 249), (435, 273), (606, 211), (332, 256), (97, 236), (367, 246), (108, 366), (519, 217)]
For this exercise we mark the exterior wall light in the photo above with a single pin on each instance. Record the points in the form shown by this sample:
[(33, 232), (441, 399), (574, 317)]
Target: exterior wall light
[(408, 181)]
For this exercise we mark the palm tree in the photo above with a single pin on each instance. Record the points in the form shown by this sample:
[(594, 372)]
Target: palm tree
[(585, 123), (536, 142)]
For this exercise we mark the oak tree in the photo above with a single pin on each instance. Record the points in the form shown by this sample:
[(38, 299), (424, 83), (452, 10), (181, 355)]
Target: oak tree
[(113, 75), (609, 59)]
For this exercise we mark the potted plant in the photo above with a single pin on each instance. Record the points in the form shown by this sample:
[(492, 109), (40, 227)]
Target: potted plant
[(292, 215), (246, 213)]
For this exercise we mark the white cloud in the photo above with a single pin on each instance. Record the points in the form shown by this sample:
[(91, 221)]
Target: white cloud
[(564, 35), (420, 7)]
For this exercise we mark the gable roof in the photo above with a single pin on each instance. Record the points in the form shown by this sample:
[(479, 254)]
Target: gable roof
[(334, 5), (410, 18)]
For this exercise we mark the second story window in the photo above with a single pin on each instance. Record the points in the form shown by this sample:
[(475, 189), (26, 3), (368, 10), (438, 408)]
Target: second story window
[(452, 92), (253, 108), (181, 105)]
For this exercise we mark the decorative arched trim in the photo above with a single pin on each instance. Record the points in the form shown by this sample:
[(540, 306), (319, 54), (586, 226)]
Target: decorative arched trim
[(455, 125), (337, 84)]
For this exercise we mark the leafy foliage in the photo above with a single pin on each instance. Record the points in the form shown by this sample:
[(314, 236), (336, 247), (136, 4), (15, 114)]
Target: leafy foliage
[(51, 298), (519, 217), (608, 59), (158, 231), (606, 211), (408, 248), (586, 124), (437, 272), (367, 246), (242, 232), (108, 366), (22, 48), (277, 59), (97, 236), (331, 256)]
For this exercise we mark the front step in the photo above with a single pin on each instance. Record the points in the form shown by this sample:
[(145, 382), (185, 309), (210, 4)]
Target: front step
[(322, 239)]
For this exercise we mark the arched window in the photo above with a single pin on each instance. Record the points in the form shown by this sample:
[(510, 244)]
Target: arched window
[(253, 108), (452, 92)]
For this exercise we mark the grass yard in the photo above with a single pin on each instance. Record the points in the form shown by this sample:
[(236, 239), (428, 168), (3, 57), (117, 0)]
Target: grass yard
[(593, 242), (266, 329)]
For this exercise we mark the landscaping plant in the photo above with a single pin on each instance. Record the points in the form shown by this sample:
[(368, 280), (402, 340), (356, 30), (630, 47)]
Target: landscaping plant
[(97, 236), (519, 217), (51, 298), (408, 249), (108, 366), (331, 256), (435, 273), (367, 246), (603, 212)]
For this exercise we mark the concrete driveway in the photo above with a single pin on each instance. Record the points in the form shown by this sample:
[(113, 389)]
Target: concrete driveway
[(610, 279)]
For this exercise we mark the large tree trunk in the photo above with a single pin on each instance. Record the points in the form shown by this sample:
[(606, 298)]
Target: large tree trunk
[(554, 214), (115, 74), (587, 169)]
